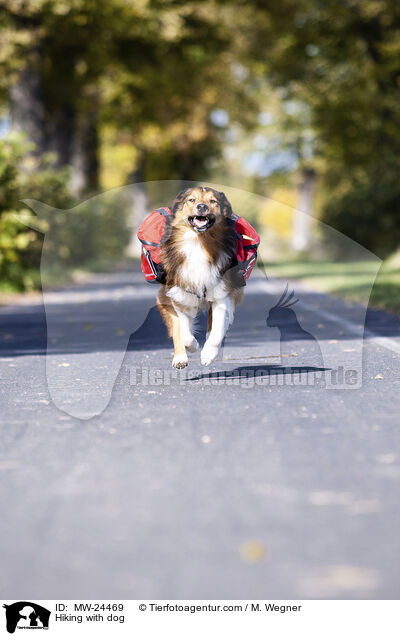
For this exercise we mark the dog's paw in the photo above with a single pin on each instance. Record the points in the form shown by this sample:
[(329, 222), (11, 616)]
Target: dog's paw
[(208, 354), (180, 361), (192, 345)]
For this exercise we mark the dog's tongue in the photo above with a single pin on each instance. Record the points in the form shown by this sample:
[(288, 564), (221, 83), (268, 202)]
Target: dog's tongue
[(200, 221)]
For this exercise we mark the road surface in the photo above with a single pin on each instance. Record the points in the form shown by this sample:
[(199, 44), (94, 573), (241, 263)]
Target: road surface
[(233, 481)]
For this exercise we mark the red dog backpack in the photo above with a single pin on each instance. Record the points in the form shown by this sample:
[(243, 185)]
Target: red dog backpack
[(152, 228)]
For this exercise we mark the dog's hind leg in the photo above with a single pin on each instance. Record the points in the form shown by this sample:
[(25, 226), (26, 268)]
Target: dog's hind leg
[(222, 312)]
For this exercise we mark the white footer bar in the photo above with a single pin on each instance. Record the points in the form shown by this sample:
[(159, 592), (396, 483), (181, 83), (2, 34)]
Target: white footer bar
[(201, 617)]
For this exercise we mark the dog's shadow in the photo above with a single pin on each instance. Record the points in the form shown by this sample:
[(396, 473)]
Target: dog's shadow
[(257, 371)]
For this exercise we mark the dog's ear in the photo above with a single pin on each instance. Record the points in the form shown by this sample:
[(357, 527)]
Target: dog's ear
[(226, 208), (180, 197)]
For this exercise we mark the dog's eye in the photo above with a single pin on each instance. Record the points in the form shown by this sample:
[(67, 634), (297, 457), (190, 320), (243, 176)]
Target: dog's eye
[(191, 200), (213, 201)]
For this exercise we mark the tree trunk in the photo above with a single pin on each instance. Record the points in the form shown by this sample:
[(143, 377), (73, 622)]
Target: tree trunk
[(301, 233), (72, 136), (84, 158), (27, 110), (60, 130), (140, 207)]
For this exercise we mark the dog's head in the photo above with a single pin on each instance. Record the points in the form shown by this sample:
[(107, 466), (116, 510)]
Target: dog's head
[(200, 208)]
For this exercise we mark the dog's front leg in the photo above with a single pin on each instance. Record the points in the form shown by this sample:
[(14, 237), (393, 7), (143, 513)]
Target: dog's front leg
[(180, 359), (221, 318), (186, 325), (170, 316)]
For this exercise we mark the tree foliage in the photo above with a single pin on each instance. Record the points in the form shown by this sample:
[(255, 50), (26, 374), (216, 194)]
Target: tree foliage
[(83, 75), (342, 59), (155, 70)]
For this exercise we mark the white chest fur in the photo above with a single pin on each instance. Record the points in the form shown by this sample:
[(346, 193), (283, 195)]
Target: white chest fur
[(196, 272)]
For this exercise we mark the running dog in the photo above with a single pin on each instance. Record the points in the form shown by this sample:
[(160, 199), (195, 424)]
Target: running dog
[(197, 254)]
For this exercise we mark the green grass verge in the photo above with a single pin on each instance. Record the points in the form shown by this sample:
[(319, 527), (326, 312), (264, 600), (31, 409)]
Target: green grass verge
[(350, 280)]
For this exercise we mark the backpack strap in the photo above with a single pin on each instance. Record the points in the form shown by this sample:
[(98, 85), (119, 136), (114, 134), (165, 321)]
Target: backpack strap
[(249, 247), (143, 242), (232, 222)]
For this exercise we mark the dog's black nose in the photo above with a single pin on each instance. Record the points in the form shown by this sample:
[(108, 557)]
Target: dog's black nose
[(202, 208)]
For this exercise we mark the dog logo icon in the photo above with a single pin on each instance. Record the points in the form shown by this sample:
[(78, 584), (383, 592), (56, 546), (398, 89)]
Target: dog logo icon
[(26, 615)]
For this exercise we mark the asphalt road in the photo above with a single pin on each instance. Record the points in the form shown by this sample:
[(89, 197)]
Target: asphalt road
[(257, 477)]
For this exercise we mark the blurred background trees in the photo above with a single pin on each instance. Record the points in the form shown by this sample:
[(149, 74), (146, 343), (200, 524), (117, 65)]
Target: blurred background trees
[(296, 100)]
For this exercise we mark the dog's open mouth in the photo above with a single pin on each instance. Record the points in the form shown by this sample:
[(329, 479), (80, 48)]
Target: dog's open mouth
[(201, 223)]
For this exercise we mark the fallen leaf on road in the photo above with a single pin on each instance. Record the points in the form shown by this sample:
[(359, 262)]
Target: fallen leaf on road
[(378, 377), (365, 507), (338, 578), (64, 364), (119, 331), (8, 465), (253, 551), (329, 498), (387, 458), (333, 341), (229, 358), (88, 326)]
